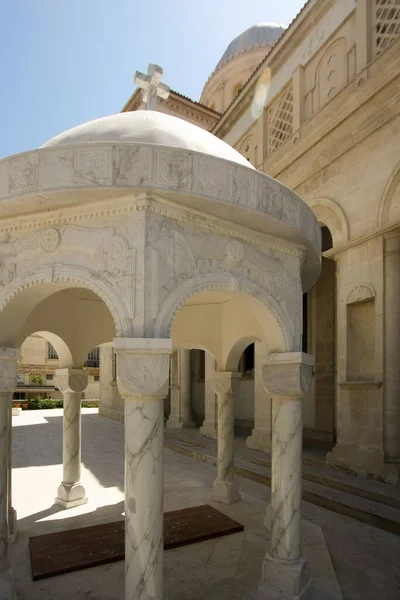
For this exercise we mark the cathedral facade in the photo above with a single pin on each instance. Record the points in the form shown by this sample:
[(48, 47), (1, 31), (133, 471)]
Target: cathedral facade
[(316, 105)]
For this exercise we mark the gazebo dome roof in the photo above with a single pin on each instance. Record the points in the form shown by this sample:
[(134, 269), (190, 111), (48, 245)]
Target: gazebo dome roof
[(149, 127)]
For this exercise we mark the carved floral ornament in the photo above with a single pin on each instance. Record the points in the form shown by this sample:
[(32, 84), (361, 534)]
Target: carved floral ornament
[(141, 375), (235, 251), (50, 239)]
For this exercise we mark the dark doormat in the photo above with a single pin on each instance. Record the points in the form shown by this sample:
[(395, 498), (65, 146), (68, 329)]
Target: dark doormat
[(67, 551)]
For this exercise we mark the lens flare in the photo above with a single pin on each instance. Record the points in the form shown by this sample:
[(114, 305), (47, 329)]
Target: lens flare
[(261, 94)]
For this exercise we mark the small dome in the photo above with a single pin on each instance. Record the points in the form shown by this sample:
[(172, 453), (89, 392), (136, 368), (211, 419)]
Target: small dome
[(262, 34), (149, 127)]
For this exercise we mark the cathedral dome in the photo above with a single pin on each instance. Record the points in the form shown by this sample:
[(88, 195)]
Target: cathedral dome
[(259, 35), (148, 127)]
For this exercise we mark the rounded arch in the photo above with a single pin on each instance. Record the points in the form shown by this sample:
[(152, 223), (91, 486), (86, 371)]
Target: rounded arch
[(62, 349), (23, 294), (237, 350), (330, 214), (222, 282), (385, 201)]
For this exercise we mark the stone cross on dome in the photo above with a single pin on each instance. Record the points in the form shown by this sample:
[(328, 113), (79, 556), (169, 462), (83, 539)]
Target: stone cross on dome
[(152, 86)]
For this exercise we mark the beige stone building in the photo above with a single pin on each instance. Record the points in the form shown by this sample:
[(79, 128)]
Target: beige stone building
[(36, 372), (317, 106)]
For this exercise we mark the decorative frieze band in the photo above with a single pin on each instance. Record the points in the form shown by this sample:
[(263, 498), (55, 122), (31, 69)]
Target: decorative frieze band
[(144, 167)]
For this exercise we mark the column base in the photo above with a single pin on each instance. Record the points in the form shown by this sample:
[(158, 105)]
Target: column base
[(209, 430), (260, 439), (12, 525), (176, 423), (226, 492), (7, 589), (284, 580), (70, 495), (360, 460)]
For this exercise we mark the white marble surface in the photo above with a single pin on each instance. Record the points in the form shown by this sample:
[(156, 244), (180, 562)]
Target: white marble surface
[(286, 477), (8, 376), (142, 376), (225, 488), (6, 574), (260, 438), (71, 383), (209, 427), (144, 436)]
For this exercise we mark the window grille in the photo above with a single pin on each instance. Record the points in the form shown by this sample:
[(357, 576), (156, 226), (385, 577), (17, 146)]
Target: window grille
[(280, 120), (51, 352), (93, 359), (386, 24)]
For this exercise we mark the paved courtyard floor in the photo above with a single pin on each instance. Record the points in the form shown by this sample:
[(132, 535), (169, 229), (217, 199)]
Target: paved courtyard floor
[(365, 559)]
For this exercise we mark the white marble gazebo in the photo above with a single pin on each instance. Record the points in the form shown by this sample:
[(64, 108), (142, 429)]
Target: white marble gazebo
[(146, 230)]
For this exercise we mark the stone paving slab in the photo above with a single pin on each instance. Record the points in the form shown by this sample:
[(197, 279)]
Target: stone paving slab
[(365, 560)]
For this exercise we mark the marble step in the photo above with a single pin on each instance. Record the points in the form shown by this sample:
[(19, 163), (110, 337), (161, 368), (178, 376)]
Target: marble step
[(377, 514), (313, 471)]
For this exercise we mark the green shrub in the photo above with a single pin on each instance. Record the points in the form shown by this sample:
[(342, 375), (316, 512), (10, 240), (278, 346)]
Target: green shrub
[(45, 403), (42, 403)]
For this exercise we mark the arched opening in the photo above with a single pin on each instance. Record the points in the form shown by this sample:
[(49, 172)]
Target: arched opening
[(318, 339), (56, 326), (219, 329), (244, 404)]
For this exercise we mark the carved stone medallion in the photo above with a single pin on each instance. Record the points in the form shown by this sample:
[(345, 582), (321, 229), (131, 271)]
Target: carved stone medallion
[(50, 239), (235, 251)]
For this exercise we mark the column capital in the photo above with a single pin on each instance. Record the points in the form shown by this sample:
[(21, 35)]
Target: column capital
[(71, 380), (223, 382), (8, 369), (142, 366), (288, 373)]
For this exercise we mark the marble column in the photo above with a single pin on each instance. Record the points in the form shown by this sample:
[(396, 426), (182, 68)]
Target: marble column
[(285, 572), (71, 383), (8, 382), (225, 488), (12, 513), (143, 377), (180, 416), (391, 379), (209, 427), (260, 438)]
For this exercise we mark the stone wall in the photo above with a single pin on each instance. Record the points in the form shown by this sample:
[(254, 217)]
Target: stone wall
[(325, 348)]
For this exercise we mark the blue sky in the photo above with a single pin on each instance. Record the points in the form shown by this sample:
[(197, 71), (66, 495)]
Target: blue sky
[(64, 62)]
